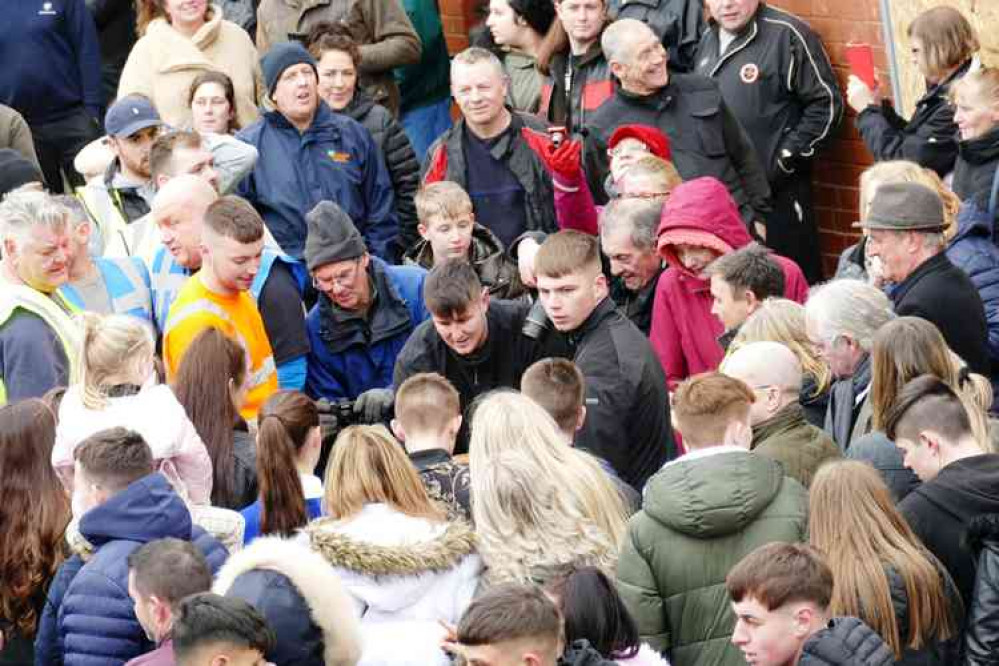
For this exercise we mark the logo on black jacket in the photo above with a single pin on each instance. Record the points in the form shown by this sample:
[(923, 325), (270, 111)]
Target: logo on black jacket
[(749, 73)]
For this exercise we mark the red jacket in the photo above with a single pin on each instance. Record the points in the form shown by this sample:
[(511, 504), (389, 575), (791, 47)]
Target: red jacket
[(684, 332)]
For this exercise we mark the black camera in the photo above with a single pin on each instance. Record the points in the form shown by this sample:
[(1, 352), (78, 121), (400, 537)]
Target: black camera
[(334, 416), (537, 323)]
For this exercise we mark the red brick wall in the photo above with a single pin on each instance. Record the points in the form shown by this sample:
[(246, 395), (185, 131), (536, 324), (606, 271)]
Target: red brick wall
[(838, 168)]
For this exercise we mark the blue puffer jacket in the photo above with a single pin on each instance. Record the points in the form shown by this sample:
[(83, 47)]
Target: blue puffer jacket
[(350, 355), (973, 251), (89, 619), (335, 159)]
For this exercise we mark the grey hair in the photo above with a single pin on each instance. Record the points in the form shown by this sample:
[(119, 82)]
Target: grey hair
[(20, 212), (473, 55), (848, 308), (641, 215), (617, 38), (933, 240)]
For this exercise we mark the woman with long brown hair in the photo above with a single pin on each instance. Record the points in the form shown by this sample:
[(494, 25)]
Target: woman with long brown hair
[(884, 575), (288, 447), (34, 513), (406, 567), (209, 384)]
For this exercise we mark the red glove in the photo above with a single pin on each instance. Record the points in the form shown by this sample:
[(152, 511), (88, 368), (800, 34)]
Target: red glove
[(564, 161)]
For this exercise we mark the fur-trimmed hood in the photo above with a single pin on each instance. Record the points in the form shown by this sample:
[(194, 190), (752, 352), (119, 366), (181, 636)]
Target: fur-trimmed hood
[(329, 605), (437, 554)]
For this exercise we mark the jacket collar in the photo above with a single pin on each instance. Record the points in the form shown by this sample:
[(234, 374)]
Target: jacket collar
[(981, 150), (934, 264), (323, 120), (940, 89), (423, 459), (178, 52), (658, 100), (743, 39), (789, 418), (359, 106), (604, 310), (387, 317), (484, 246)]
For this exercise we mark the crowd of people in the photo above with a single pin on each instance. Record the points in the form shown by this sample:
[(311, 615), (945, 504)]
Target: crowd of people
[(301, 363)]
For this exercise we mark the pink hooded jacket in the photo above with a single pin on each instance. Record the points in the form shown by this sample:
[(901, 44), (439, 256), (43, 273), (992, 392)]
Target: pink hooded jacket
[(684, 332)]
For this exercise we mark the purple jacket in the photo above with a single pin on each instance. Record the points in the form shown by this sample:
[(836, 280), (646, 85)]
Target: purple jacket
[(161, 656)]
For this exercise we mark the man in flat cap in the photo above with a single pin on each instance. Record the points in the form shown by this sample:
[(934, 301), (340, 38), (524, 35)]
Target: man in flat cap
[(906, 223), (365, 313)]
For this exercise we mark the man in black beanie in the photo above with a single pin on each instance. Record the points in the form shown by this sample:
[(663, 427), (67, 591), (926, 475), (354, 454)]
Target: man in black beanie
[(365, 313), (309, 154)]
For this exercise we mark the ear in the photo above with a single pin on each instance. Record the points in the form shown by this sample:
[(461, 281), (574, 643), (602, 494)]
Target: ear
[(161, 611), (9, 247), (161, 180), (617, 69), (422, 230), (751, 301), (484, 298), (802, 620), (930, 441), (365, 261), (580, 417), (397, 430), (600, 285), (454, 425), (738, 433)]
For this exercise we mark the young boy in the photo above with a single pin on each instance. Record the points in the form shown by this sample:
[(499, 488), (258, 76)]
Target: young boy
[(449, 231), (427, 420)]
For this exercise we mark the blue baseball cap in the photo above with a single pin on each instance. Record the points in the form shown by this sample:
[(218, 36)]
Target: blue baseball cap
[(129, 115)]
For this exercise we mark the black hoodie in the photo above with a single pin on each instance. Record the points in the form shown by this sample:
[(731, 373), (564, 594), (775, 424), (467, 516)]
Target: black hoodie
[(940, 510)]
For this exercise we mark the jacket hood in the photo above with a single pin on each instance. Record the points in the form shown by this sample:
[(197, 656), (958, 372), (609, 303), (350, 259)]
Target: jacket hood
[(982, 149), (714, 495), (967, 484), (846, 641), (700, 212), (148, 509), (330, 607)]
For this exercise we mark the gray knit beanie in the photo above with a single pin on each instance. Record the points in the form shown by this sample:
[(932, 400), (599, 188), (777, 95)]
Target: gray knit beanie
[(332, 236)]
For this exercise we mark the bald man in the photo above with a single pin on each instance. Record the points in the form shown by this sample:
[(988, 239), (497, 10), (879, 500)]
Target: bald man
[(179, 211), (780, 430)]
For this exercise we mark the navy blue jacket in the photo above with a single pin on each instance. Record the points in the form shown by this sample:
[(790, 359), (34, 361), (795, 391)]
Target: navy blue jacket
[(335, 159), (89, 619), (973, 251), (350, 355), (51, 60)]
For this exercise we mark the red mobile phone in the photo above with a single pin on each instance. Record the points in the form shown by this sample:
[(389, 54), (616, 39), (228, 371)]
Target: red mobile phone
[(557, 134), (861, 59)]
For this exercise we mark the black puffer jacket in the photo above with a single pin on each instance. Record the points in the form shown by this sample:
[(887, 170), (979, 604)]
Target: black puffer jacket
[(403, 167), (975, 170), (846, 641), (938, 652), (929, 138), (981, 638)]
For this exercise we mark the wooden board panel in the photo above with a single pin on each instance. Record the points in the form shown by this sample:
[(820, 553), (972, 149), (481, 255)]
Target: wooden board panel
[(983, 14)]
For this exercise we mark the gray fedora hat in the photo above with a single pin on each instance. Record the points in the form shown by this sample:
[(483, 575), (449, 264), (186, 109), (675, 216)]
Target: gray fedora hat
[(905, 207)]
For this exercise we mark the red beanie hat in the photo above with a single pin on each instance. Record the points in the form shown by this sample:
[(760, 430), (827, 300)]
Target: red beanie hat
[(656, 141)]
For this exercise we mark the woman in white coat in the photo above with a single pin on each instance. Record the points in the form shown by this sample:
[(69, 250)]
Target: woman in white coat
[(406, 568)]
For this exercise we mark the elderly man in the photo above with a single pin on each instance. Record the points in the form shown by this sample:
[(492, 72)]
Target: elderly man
[(780, 430), (366, 311), (905, 224), (705, 138), (777, 79), (841, 318), (489, 152), (38, 338), (309, 154), (628, 239)]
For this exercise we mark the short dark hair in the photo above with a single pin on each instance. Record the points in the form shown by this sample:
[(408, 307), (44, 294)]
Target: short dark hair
[(161, 152), (751, 268), (206, 618), (114, 458), (451, 287), (594, 610), (326, 36), (559, 387), (509, 612), (233, 217), (222, 79), (780, 573), (169, 569), (927, 403)]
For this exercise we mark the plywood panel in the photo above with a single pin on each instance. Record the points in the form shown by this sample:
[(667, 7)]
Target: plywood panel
[(983, 14)]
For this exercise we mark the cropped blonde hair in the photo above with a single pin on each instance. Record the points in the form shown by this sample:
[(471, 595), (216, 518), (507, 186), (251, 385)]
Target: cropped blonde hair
[(903, 171), (368, 466), (534, 493), (442, 199), (782, 320), (115, 347)]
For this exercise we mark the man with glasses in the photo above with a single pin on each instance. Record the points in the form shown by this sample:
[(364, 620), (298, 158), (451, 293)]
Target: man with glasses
[(365, 313), (309, 154), (780, 430)]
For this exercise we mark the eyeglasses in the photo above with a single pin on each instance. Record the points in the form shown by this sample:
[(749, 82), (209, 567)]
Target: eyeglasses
[(644, 195), (343, 279), (624, 150)]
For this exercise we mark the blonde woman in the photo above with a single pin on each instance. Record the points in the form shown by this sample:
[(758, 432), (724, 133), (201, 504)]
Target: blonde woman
[(884, 575), (976, 111), (539, 505), (117, 387), (782, 320), (180, 39), (406, 568)]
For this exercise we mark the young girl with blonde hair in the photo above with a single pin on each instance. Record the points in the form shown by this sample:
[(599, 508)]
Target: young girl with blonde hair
[(883, 574), (117, 387), (539, 505), (405, 566)]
